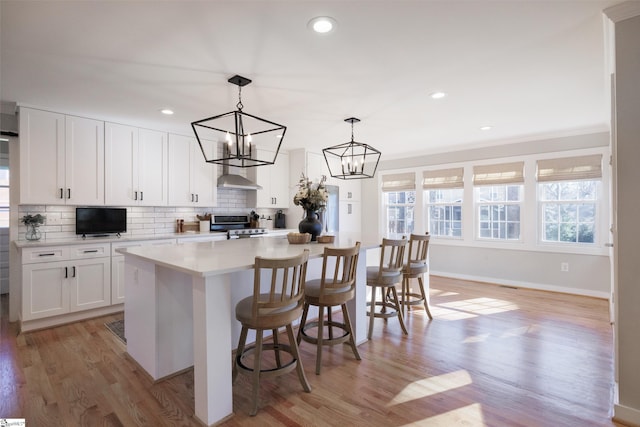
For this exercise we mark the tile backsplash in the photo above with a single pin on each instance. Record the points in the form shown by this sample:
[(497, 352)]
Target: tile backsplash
[(141, 220)]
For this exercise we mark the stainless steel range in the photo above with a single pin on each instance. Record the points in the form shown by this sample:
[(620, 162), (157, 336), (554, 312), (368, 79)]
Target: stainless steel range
[(236, 226)]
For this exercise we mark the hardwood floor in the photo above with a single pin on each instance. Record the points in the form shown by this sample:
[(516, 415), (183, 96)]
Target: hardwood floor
[(492, 356)]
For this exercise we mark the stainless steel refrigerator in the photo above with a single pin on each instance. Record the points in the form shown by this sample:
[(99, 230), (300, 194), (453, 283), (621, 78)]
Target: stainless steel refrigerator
[(330, 217)]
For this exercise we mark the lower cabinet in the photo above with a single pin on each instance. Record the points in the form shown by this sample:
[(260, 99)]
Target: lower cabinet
[(81, 281)]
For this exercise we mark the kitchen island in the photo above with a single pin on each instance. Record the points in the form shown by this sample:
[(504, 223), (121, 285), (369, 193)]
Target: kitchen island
[(180, 307)]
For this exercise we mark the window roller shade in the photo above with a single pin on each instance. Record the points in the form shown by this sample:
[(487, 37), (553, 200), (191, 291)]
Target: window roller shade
[(399, 182), (443, 178), (570, 168), (503, 173)]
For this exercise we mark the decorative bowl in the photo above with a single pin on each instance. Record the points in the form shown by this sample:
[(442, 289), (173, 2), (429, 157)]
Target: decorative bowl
[(325, 239), (298, 238)]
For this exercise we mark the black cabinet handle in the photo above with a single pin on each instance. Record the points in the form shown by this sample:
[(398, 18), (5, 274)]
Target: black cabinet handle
[(141, 196), (192, 197), (47, 254), (62, 193), (92, 251), (197, 198), (68, 193), (74, 271), (66, 272), (135, 195)]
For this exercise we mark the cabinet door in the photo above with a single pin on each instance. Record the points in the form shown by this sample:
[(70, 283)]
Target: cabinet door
[(121, 146), (274, 180), (204, 184), (84, 161), (117, 279), (280, 181), (263, 178), (89, 283), (179, 171), (44, 290), (152, 168), (42, 147)]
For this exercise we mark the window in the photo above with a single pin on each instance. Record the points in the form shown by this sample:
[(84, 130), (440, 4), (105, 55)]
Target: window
[(498, 196), (499, 211), (445, 212), (568, 211), (568, 198), (444, 193), (399, 199), (400, 208)]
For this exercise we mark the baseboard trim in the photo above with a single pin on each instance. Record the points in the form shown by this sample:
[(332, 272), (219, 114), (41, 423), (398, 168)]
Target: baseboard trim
[(521, 284), (625, 415), (63, 319)]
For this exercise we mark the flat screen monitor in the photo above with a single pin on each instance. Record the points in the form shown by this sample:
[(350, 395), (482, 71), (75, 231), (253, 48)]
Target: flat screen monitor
[(101, 221)]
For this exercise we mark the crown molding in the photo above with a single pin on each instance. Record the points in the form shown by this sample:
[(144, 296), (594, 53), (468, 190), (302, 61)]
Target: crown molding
[(622, 11)]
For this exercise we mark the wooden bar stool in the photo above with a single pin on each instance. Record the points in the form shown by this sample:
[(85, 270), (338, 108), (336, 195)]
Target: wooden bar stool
[(385, 277), (336, 287), (415, 268), (278, 307)]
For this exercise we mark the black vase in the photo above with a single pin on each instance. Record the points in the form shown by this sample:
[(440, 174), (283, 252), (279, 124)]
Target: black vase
[(311, 225)]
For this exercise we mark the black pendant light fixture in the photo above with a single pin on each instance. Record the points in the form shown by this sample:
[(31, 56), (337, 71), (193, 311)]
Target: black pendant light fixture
[(352, 160), (239, 139)]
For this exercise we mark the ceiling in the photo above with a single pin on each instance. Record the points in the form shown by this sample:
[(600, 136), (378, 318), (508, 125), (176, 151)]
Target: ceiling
[(530, 69)]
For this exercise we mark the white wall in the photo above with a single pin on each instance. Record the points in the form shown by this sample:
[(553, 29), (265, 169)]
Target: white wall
[(522, 265)]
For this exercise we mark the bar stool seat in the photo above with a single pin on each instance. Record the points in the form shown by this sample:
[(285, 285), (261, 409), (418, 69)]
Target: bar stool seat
[(329, 291), (262, 311)]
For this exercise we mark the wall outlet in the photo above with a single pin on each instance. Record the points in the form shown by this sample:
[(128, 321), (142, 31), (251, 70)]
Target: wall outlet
[(564, 266)]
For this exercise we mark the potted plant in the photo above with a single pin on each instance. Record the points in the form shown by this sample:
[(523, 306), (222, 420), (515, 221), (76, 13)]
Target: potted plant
[(32, 222), (313, 199)]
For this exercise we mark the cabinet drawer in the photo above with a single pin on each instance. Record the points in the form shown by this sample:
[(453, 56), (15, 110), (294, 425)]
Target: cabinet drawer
[(89, 251), (46, 254)]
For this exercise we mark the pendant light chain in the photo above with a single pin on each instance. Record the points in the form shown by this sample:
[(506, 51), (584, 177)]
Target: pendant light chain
[(239, 104)]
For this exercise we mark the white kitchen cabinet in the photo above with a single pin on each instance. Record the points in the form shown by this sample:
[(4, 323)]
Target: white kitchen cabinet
[(135, 166), (274, 180), (79, 279), (192, 181), (117, 266), (61, 159)]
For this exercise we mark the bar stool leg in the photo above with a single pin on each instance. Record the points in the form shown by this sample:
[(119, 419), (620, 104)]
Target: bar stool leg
[(296, 355), (372, 310), (303, 322), (394, 292), (347, 324), (276, 347), (424, 296), (241, 343), (320, 338), (255, 384)]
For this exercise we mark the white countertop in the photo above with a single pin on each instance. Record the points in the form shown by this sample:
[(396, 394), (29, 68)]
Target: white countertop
[(220, 257), (127, 238)]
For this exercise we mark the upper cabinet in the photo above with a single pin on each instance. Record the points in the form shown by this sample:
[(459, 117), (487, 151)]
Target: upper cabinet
[(192, 181), (136, 166), (61, 159), (274, 180)]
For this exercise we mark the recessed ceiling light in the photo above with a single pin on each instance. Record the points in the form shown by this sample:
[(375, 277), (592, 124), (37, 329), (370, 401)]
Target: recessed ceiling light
[(322, 24), (438, 95), (166, 111), (486, 128)]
